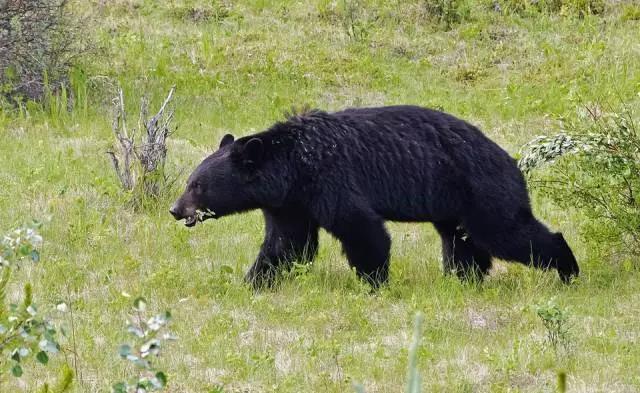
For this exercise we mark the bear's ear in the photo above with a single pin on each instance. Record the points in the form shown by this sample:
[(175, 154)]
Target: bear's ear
[(252, 152), (226, 140)]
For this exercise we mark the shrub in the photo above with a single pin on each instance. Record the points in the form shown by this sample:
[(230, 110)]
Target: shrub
[(597, 169), (25, 333), (139, 161), (39, 43)]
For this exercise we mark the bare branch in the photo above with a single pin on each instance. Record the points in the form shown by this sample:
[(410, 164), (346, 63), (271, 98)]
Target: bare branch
[(147, 156)]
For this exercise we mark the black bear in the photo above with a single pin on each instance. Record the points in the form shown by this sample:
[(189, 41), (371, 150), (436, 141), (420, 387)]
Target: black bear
[(349, 171)]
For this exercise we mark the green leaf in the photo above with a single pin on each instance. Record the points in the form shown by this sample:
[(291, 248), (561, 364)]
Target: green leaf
[(119, 387), (151, 347), (139, 362), (358, 388), (125, 350), (31, 310), (140, 304), (24, 250), (16, 371), (160, 380), (226, 269), (136, 331), (49, 346), (42, 357)]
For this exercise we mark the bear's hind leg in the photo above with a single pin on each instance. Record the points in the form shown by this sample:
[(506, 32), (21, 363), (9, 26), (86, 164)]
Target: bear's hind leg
[(460, 255), (289, 236)]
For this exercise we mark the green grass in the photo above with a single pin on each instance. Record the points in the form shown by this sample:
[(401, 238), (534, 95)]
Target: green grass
[(237, 67)]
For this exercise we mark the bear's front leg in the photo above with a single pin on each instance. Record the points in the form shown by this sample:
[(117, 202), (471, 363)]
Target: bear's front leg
[(366, 243), (289, 236)]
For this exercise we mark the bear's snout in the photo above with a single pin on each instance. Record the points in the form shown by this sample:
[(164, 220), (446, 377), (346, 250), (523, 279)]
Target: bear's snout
[(176, 211)]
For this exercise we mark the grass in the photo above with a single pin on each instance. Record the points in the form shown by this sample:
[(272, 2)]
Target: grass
[(237, 66)]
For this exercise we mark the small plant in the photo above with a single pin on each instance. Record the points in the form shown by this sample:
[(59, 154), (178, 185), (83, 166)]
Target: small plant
[(197, 12), (631, 12), (447, 12), (139, 162), (556, 322), (355, 25), (596, 167), (413, 377), (580, 8), (25, 333), (562, 382), (149, 335)]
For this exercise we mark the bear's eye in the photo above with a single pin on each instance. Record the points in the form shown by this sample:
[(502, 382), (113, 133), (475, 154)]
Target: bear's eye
[(196, 186)]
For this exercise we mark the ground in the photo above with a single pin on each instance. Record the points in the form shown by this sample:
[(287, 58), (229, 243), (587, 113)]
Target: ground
[(237, 67)]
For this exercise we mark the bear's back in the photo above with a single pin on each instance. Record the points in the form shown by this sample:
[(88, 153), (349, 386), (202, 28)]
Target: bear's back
[(408, 158)]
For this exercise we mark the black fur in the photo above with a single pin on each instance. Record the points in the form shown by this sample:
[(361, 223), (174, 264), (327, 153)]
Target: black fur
[(349, 171)]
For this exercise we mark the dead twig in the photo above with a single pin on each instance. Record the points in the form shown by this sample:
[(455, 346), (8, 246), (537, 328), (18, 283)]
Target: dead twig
[(142, 164)]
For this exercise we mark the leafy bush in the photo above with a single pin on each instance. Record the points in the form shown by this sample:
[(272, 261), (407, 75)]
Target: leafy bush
[(597, 169), (149, 335), (39, 43), (25, 333)]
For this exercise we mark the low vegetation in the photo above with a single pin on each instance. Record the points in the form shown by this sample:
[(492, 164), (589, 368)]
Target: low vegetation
[(600, 176), (26, 335), (40, 40), (141, 151), (519, 69)]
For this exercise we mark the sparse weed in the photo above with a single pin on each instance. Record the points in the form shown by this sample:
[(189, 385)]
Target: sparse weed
[(580, 8), (354, 22), (556, 322), (194, 11), (150, 337), (631, 12), (447, 12)]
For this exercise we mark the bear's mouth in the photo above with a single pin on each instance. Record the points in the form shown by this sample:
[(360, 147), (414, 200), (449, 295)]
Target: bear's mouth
[(190, 221), (200, 216)]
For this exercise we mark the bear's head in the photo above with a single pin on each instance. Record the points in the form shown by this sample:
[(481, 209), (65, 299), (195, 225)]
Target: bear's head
[(228, 181)]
